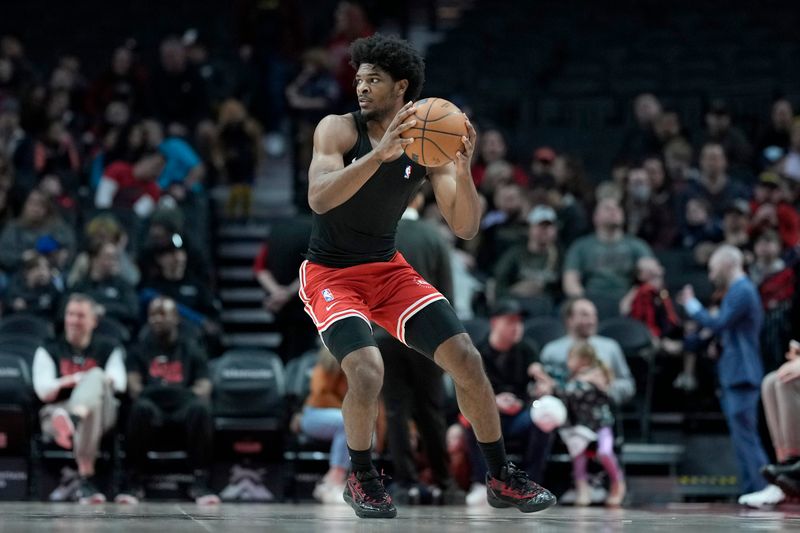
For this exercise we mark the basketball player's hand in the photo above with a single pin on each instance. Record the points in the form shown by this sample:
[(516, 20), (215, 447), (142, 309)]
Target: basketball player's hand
[(464, 157), (392, 145)]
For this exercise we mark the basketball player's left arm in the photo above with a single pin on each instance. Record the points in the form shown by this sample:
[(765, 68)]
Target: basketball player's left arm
[(455, 191)]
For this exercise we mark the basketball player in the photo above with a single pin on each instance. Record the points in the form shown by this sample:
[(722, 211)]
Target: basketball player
[(360, 181)]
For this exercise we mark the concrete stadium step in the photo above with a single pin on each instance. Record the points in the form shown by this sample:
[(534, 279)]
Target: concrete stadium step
[(243, 231), (238, 250), (247, 316), (237, 274), (268, 341), (245, 295)]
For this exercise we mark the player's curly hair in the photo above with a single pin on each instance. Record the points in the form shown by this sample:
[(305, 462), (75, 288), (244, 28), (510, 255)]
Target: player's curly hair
[(395, 56)]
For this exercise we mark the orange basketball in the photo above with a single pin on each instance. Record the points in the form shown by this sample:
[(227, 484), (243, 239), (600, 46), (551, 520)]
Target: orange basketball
[(437, 133)]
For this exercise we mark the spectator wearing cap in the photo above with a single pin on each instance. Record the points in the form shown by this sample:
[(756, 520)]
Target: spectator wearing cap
[(195, 300), (106, 286), (56, 255), (777, 134), (33, 288), (532, 269), (720, 130), (492, 148), (38, 218), (771, 210), (507, 358), (604, 262), (713, 183), (542, 166)]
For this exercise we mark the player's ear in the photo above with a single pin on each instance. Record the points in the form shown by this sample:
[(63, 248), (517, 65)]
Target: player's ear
[(401, 87)]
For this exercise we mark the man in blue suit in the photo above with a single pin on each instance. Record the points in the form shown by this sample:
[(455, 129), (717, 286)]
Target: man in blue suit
[(739, 369)]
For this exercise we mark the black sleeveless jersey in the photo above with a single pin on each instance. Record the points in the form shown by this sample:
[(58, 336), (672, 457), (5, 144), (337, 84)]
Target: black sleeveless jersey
[(362, 230)]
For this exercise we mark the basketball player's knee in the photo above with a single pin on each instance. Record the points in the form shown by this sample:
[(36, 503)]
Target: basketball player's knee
[(365, 378), (466, 365)]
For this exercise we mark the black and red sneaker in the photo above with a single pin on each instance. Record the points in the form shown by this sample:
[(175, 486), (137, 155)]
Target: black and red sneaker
[(514, 489), (365, 493)]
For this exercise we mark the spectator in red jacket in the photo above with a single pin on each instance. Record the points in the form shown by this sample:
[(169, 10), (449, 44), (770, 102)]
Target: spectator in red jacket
[(771, 210)]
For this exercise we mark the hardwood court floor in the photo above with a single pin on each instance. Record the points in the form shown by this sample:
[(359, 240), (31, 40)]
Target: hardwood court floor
[(242, 518)]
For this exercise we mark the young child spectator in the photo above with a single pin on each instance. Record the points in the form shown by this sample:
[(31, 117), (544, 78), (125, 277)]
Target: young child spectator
[(585, 395), (32, 289)]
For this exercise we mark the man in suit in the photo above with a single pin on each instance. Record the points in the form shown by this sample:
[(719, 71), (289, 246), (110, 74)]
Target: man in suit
[(740, 370), (413, 386)]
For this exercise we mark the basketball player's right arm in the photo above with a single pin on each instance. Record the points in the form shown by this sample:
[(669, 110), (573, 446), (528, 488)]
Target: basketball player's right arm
[(330, 182)]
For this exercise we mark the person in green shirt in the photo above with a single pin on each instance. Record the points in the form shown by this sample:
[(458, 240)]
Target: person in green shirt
[(532, 269), (603, 264)]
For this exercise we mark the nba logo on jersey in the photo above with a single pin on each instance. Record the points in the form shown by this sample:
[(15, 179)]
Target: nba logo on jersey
[(328, 295), (408, 172)]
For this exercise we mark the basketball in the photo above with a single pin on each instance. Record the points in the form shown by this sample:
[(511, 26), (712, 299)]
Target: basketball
[(437, 133)]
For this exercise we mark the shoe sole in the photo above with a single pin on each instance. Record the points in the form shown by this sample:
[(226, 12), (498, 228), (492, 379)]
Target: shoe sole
[(361, 513), (497, 503)]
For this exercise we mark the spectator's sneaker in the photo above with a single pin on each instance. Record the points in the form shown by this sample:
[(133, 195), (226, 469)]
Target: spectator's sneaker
[(132, 492), (770, 495), (88, 493), (365, 493), (514, 489), (63, 428), (201, 493)]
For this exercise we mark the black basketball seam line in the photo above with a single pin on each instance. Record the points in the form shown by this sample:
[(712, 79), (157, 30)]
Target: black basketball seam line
[(440, 118), (422, 141), (440, 149), (439, 132)]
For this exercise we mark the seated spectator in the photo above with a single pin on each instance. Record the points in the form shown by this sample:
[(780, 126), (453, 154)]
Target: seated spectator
[(165, 224), (321, 419), (771, 210), (131, 185), (171, 391), (183, 169), (650, 303), (179, 93), (736, 226), (590, 420), (603, 263), (580, 317), (541, 170), (790, 164), (778, 133), (105, 229), (714, 184), (237, 155), (780, 394), (194, 299), (507, 357), (38, 218), (640, 139), (76, 377), (720, 130), (776, 286), (33, 289), (533, 269), (492, 148), (650, 221), (503, 228), (106, 286), (16, 145), (56, 153), (700, 226), (123, 81), (571, 198), (668, 128)]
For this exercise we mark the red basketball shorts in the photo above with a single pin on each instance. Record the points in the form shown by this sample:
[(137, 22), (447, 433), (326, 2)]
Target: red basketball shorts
[(388, 294)]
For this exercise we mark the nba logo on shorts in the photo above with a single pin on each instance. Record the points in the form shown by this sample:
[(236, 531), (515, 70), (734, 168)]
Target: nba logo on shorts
[(328, 295), (408, 172)]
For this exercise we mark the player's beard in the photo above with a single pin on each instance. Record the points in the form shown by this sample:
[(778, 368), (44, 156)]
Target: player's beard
[(376, 113)]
